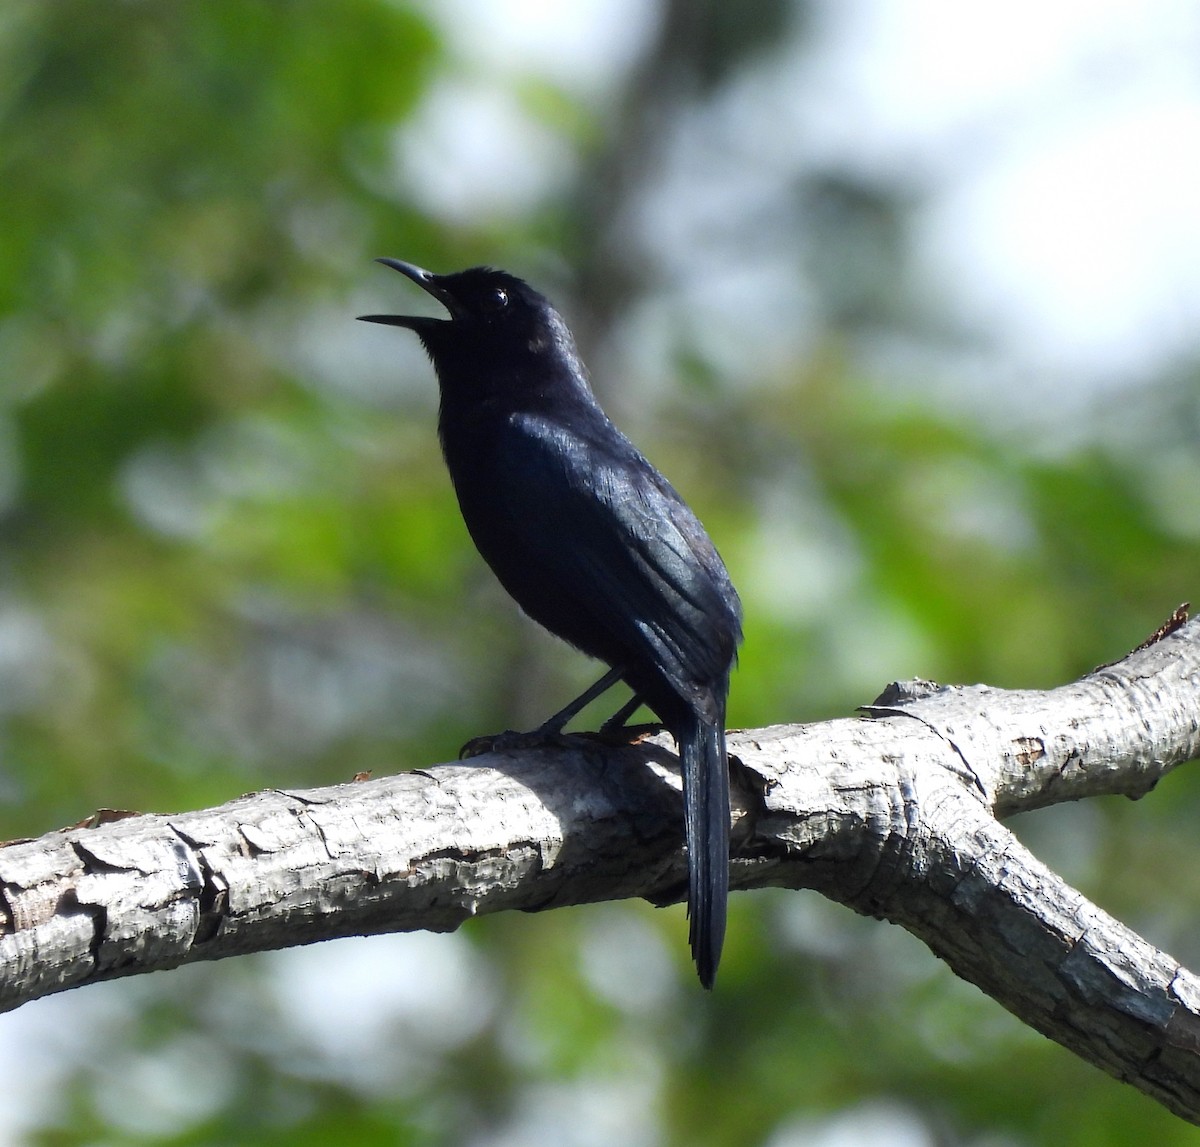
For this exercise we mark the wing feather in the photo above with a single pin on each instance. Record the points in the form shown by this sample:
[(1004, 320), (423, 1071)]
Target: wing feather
[(615, 543)]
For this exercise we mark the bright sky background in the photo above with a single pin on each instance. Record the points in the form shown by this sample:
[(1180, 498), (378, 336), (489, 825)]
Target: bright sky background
[(1071, 212), (1060, 143)]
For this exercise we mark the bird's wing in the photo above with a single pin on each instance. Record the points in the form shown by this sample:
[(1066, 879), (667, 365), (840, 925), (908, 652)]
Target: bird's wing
[(619, 547)]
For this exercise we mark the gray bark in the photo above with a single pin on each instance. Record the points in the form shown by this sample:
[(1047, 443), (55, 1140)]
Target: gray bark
[(896, 813)]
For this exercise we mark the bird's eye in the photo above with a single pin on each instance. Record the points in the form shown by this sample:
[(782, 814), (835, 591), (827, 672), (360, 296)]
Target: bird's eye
[(495, 300)]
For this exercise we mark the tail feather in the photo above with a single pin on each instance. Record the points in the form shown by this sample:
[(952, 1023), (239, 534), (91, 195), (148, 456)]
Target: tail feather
[(706, 815)]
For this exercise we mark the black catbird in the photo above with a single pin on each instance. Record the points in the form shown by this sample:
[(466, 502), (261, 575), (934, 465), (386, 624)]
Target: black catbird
[(589, 539)]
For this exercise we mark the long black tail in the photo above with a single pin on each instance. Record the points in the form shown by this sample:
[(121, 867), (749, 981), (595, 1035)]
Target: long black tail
[(706, 815)]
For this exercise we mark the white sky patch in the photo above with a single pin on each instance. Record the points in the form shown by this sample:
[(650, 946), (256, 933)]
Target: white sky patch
[(925, 67), (1059, 145), (577, 45), (471, 152), (874, 1123), (1084, 245), (1063, 142), (40, 1044), (383, 1010)]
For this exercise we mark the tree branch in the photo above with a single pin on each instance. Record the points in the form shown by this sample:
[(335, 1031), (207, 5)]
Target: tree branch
[(894, 813)]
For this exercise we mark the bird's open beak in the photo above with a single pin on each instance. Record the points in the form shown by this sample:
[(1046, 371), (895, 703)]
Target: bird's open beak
[(427, 281)]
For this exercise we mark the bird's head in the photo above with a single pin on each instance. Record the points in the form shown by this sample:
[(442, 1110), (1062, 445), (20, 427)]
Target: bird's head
[(493, 317)]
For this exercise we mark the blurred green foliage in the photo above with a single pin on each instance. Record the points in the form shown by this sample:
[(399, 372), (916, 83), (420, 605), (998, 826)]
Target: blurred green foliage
[(230, 559)]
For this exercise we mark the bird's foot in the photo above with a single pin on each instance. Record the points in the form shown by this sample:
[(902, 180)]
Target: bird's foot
[(616, 735), (619, 735), (512, 741)]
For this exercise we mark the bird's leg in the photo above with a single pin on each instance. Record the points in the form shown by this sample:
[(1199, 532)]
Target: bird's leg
[(615, 731), (555, 724), (549, 730), (616, 722)]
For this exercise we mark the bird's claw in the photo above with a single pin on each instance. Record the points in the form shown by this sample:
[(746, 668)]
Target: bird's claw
[(511, 741)]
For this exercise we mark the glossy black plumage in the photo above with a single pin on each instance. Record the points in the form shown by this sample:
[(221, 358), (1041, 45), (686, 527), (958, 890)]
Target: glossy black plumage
[(589, 539)]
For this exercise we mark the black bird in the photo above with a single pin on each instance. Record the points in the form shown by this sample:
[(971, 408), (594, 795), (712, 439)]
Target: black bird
[(589, 539)]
